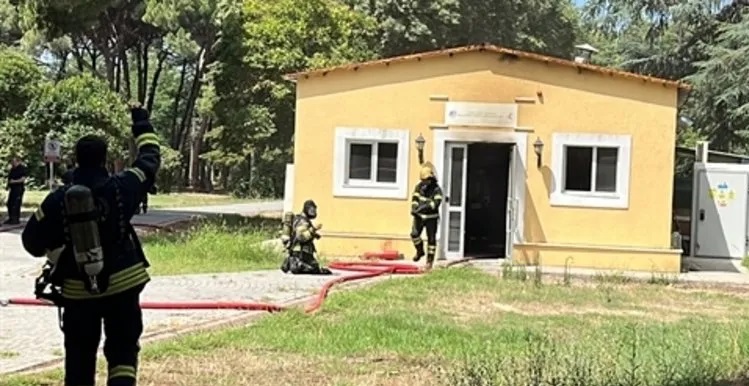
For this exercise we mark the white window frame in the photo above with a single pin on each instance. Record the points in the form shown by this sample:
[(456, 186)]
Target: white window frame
[(343, 187), (613, 200)]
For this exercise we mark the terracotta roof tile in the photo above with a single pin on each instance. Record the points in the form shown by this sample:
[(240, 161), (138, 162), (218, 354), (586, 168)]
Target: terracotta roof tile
[(489, 48)]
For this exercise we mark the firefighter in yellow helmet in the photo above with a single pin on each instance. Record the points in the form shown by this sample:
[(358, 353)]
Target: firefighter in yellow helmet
[(425, 205)]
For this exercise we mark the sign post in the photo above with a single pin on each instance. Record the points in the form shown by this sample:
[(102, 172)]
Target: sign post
[(51, 156)]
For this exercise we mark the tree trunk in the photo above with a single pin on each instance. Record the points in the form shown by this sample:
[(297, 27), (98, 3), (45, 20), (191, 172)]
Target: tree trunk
[(61, 71), (126, 75), (175, 111), (109, 63), (193, 96), (155, 81), (225, 178), (196, 149), (143, 75), (78, 55)]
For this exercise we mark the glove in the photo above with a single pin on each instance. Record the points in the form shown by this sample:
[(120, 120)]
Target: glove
[(421, 208), (54, 255), (317, 236), (140, 117)]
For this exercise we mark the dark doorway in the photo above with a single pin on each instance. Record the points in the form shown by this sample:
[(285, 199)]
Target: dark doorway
[(486, 204)]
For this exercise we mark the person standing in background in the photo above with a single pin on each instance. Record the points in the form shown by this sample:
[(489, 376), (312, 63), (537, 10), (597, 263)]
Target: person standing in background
[(16, 188)]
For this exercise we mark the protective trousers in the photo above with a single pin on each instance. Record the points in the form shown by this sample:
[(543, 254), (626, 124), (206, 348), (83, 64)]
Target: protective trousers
[(15, 198), (416, 228), (305, 263), (144, 204), (123, 326)]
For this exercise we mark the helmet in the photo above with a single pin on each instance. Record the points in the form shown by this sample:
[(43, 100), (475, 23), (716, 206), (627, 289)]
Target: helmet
[(310, 209), (427, 171)]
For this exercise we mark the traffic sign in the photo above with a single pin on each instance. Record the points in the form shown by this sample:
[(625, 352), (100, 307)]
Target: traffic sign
[(52, 150)]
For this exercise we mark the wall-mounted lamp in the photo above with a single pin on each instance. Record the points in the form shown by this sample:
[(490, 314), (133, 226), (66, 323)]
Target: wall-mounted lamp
[(538, 148), (420, 142)]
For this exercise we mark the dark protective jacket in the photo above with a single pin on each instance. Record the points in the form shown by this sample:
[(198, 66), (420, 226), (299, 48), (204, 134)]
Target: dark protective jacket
[(426, 199), (304, 236), (15, 173), (119, 195)]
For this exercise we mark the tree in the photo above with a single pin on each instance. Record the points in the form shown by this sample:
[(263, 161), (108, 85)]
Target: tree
[(20, 79), (74, 107), (252, 119), (10, 31), (545, 26), (722, 92)]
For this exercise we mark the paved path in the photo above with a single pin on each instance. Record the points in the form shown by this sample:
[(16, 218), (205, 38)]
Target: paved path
[(29, 335), (160, 217)]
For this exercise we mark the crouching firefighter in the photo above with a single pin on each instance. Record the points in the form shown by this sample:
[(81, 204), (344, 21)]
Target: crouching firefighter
[(96, 269), (425, 204), (301, 244)]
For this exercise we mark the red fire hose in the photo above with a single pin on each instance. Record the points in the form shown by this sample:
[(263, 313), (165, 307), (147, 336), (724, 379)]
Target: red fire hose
[(366, 270)]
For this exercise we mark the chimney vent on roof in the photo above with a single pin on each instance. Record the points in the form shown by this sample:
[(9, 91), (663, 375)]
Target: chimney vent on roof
[(583, 53)]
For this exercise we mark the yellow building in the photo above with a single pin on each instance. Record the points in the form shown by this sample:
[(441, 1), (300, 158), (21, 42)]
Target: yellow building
[(542, 160)]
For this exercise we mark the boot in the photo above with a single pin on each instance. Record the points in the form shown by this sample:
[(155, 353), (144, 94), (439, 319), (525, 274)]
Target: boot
[(430, 262), (419, 251)]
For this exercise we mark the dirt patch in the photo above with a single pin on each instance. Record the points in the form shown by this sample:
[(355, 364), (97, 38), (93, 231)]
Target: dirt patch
[(467, 307), (224, 367), (671, 309)]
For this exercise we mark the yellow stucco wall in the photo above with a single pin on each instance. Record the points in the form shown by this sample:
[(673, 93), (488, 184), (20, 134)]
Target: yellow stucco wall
[(398, 96)]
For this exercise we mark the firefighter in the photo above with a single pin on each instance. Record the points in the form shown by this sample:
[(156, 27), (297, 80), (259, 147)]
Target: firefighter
[(16, 188), (301, 259), (425, 204), (96, 268)]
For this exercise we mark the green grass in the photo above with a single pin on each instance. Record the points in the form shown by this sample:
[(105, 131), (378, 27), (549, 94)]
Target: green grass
[(745, 261), (216, 245), (463, 327)]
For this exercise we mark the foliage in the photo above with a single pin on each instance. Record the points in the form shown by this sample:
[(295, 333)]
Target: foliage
[(722, 93), (20, 79), (75, 107), (702, 42), (212, 72)]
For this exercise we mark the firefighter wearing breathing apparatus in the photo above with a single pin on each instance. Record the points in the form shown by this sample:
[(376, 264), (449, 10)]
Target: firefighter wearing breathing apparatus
[(425, 204), (96, 268), (301, 243)]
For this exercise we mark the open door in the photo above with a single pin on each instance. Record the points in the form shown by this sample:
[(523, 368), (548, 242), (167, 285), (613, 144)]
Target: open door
[(512, 204), (453, 223)]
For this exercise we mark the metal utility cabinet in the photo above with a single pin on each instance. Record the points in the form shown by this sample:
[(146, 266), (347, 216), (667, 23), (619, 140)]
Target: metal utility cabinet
[(719, 210)]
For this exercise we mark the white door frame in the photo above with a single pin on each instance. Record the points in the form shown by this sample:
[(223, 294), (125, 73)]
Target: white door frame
[(447, 192), (520, 139)]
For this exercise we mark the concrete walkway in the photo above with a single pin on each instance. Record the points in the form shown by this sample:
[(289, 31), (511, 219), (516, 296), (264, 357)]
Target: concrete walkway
[(29, 336), (161, 217)]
